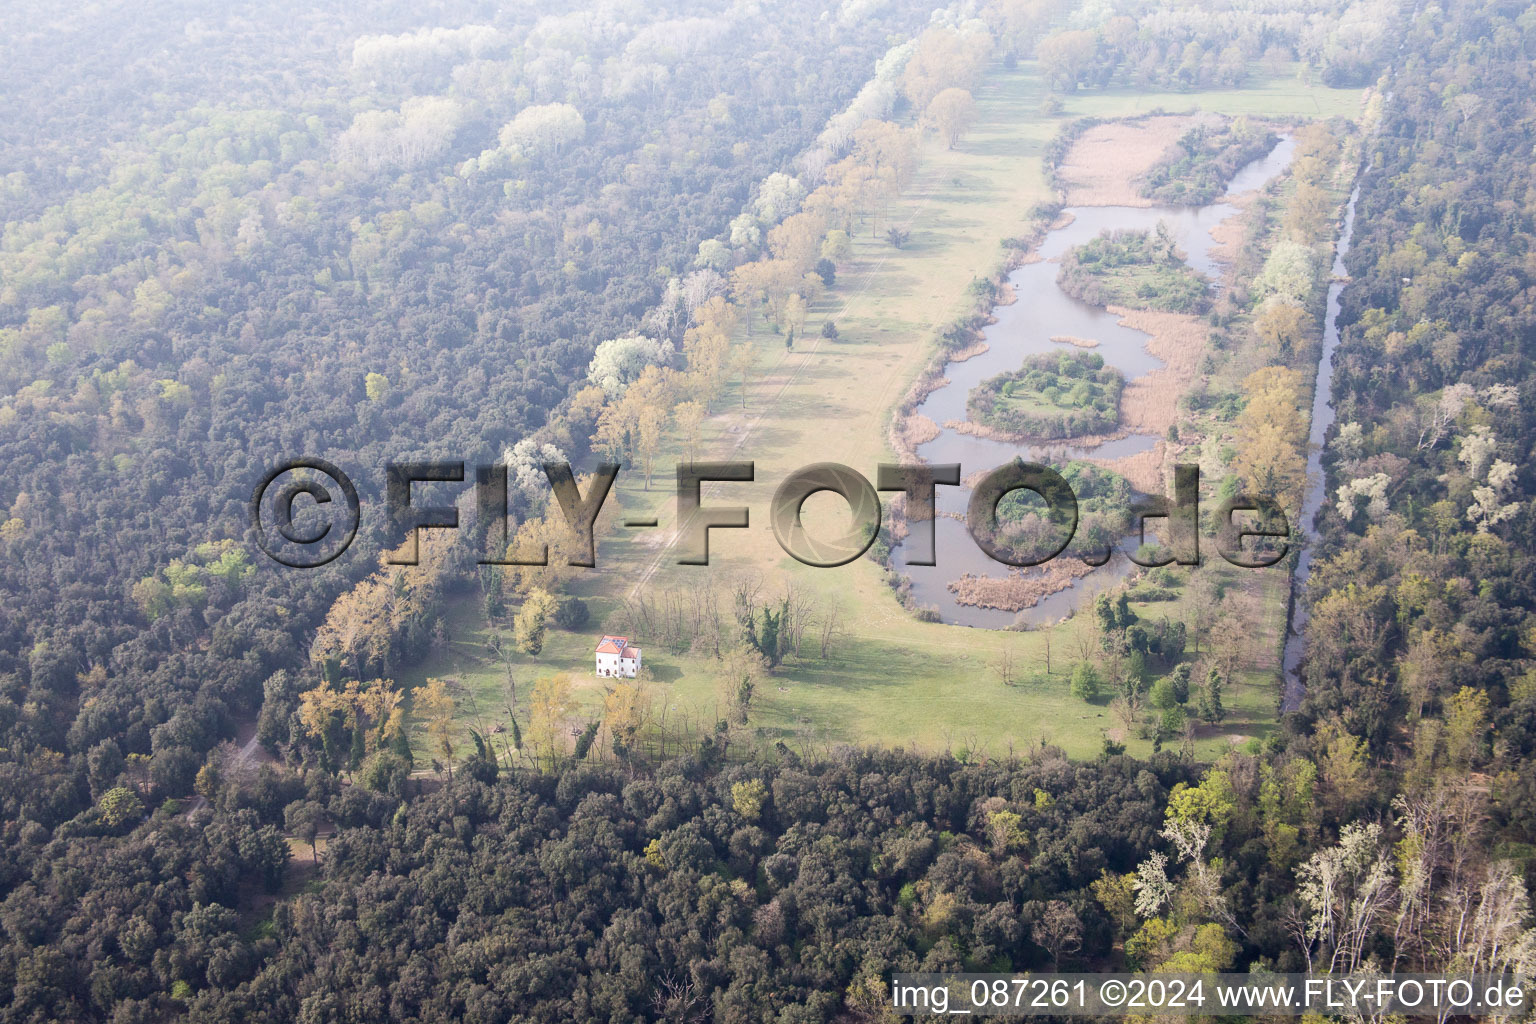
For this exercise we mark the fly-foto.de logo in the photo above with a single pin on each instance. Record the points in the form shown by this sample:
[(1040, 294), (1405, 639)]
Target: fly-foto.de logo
[(306, 512)]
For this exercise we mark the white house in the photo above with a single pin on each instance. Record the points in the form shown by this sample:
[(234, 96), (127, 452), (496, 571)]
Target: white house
[(615, 657)]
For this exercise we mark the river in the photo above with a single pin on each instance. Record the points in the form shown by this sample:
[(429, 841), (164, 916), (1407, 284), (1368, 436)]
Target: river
[(1024, 328)]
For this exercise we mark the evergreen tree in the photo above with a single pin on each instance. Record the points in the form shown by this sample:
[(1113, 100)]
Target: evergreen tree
[(402, 746), (769, 643), (1180, 680), (1085, 682), (1104, 615), (1211, 708), (1124, 617), (584, 741), (359, 747)]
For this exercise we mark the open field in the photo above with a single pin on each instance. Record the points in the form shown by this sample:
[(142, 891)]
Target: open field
[(939, 689), (891, 679)]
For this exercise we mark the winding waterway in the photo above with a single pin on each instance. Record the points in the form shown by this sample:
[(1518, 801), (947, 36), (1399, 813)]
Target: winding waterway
[(1024, 328), (1317, 484)]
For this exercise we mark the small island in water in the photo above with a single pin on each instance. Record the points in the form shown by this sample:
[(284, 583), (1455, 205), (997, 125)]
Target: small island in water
[(1137, 269), (1053, 395)]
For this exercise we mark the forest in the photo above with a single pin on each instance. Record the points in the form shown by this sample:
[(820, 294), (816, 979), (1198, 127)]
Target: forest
[(546, 231), (1421, 628)]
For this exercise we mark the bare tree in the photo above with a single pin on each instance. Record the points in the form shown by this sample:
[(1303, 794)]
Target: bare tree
[(746, 595), (1058, 930), (1126, 709), (1467, 104), (1085, 637), (1203, 605), (1190, 838), (831, 627), (1347, 888), (711, 625), (1230, 640), (798, 604), (503, 650), (679, 999)]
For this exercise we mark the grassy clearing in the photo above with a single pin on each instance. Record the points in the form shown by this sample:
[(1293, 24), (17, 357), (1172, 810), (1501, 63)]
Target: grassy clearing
[(890, 680), (940, 689)]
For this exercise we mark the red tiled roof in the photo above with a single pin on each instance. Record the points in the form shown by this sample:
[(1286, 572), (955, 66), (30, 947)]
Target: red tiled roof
[(630, 652), (614, 645)]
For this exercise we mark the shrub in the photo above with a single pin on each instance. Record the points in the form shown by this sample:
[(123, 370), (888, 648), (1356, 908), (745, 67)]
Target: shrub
[(1198, 169)]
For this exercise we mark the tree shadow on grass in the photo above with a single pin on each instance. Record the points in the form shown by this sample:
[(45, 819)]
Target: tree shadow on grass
[(664, 673)]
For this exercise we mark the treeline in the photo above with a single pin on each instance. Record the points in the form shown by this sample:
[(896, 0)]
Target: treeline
[(1217, 45), (1252, 400), (759, 891), (734, 891)]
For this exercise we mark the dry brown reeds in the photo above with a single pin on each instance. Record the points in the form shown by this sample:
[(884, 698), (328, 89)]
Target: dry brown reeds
[(1150, 403), (1020, 588), (1102, 166)]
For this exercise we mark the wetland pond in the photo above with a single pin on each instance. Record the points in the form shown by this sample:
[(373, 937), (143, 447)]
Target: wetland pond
[(1024, 328)]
